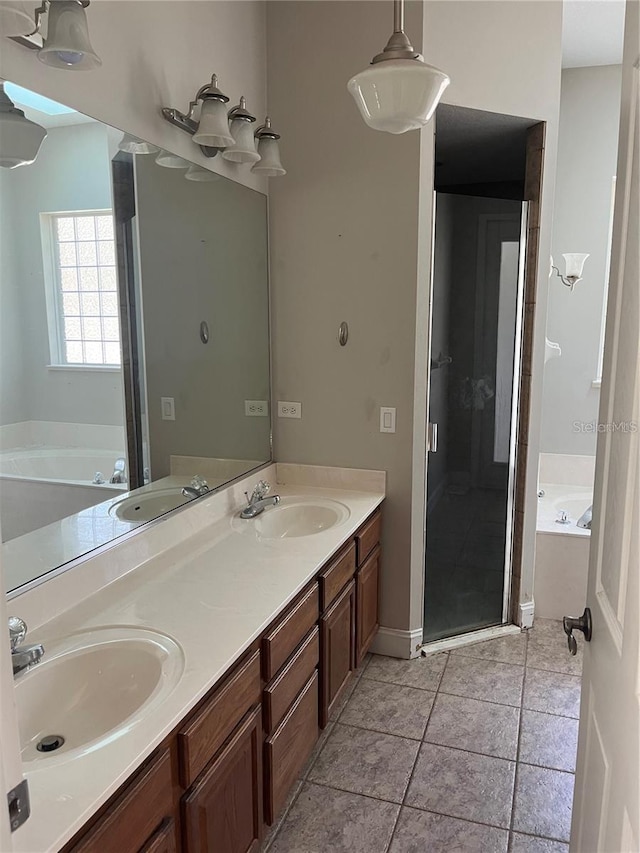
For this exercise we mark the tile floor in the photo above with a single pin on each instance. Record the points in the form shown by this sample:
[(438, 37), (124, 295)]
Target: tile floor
[(471, 751)]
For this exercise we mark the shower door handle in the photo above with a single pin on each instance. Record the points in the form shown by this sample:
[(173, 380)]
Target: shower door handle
[(432, 437)]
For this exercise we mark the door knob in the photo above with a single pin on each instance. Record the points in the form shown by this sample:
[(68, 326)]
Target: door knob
[(577, 623)]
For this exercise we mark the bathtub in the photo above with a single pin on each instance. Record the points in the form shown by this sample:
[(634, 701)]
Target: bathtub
[(43, 484), (562, 551)]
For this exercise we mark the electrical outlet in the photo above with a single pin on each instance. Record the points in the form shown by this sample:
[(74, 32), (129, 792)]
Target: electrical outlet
[(387, 419), (168, 408), (256, 408), (289, 410)]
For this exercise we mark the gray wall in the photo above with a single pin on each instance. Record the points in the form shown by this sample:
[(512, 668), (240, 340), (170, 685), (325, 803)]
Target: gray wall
[(203, 256), (587, 161), (71, 172)]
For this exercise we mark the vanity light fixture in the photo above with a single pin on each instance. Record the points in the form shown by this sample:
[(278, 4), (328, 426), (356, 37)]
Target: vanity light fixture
[(574, 265), (399, 91), (171, 161), (20, 138), (67, 43), (211, 132), (269, 165), (243, 149), (132, 145)]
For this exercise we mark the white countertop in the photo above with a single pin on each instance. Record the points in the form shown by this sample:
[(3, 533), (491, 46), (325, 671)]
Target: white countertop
[(214, 593)]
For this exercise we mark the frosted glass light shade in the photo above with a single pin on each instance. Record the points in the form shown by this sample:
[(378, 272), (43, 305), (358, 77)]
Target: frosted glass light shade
[(269, 164), (67, 44), (16, 18), (133, 145), (197, 173), (574, 262), (20, 139), (213, 129), (243, 149), (171, 161), (398, 95)]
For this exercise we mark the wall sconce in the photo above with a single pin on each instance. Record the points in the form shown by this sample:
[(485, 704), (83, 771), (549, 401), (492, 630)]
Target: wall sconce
[(132, 145), (20, 138), (574, 265), (399, 91), (229, 133), (67, 44)]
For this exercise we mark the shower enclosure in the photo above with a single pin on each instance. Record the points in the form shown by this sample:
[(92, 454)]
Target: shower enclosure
[(478, 282)]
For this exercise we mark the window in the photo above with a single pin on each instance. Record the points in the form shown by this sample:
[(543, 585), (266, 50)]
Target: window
[(82, 297)]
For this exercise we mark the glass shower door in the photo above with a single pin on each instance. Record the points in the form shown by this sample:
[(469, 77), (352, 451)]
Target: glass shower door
[(477, 297)]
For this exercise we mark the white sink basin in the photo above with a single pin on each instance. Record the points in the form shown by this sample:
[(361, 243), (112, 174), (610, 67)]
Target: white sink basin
[(148, 505), (91, 688), (295, 517)]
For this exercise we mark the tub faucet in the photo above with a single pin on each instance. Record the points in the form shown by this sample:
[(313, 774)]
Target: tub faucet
[(585, 519), (22, 657), (259, 500), (119, 471)]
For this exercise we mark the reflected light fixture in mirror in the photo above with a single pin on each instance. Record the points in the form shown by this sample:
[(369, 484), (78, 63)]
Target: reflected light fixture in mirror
[(399, 91), (20, 138), (269, 164), (197, 173), (132, 145), (574, 266), (15, 18), (171, 161), (67, 44), (243, 149)]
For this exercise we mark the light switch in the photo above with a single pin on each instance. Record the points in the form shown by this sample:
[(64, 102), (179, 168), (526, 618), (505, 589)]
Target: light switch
[(168, 408), (387, 419)]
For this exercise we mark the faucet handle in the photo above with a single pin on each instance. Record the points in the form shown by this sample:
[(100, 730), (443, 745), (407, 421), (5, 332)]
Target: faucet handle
[(263, 488), (17, 631)]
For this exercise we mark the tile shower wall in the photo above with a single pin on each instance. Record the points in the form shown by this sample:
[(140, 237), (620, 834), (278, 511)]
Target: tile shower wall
[(472, 750)]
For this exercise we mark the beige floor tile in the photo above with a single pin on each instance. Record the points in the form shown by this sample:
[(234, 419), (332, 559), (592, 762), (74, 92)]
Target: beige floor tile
[(543, 802), (390, 708), (474, 725), (549, 741), (531, 844), (483, 679), (553, 692), (423, 832), (422, 672), (509, 649)]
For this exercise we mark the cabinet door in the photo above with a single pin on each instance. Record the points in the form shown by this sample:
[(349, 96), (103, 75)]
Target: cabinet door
[(223, 811), (162, 841), (338, 649), (367, 604)]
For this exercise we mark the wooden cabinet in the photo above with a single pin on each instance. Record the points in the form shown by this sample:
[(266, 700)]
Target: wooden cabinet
[(367, 578), (337, 628), (223, 811), (230, 764)]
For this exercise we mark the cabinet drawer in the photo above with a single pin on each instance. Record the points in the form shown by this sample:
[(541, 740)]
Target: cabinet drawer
[(337, 576), (288, 749), (132, 820), (368, 537), (162, 841), (279, 695), (216, 719), (281, 641)]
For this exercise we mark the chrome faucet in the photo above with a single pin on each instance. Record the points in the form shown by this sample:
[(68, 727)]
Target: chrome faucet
[(585, 519), (259, 500), (119, 471), (196, 488), (22, 657)]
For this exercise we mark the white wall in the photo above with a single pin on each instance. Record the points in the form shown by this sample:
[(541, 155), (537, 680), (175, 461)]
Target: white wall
[(154, 55), (587, 160)]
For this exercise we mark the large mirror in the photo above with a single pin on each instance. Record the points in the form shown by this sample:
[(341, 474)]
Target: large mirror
[(134, 338)]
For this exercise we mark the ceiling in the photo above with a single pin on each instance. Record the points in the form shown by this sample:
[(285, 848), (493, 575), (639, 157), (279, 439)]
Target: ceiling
[(592, 32), (43, 111)]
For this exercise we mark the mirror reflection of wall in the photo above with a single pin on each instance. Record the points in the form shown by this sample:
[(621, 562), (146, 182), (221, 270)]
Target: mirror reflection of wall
[(68, 477), (587, 162)]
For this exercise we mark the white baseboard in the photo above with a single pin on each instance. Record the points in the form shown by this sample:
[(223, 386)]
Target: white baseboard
[(396, 643), (525, 614)]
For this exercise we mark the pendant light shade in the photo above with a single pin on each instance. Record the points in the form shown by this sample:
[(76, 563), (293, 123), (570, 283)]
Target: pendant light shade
[(20, 139), (243, 149), (574, 262), (16, 18), (132, 145), (171, 161), (67, 43), (399, 91), (213, 129)]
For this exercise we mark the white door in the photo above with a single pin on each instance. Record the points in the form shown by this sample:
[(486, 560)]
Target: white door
[(10, 763), (606, 816)]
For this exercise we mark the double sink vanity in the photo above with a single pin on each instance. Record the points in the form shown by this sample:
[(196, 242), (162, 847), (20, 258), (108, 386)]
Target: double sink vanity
[(181, 695)]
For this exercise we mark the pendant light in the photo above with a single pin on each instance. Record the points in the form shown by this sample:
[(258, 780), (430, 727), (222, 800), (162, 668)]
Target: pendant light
[(399, 91), (20, 139), (67, 43)]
